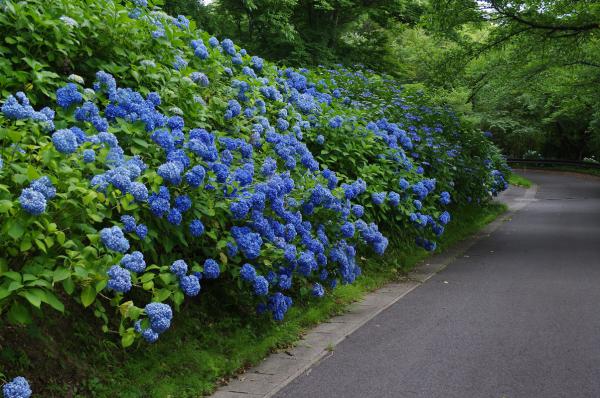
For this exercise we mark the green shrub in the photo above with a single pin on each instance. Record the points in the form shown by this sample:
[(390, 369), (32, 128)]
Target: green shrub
[(297, 145)]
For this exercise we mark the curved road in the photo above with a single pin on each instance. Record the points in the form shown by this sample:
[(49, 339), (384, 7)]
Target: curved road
[(517, 317)]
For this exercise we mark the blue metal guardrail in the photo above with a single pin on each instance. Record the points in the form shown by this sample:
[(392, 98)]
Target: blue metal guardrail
[(551, 162)]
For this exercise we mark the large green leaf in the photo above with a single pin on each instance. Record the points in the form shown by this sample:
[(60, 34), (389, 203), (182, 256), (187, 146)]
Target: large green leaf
[(88, 295)]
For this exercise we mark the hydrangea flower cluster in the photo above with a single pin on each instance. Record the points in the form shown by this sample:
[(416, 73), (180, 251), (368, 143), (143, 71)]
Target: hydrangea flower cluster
[(17, 388), (34, 199), (159, 317)]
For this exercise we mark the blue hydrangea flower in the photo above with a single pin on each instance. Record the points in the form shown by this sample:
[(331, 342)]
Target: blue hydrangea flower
[(279, 304), (128, 223), (32, 201), (233, 109), (86, 112), (249, 242), (196, 228), (160, 316), (44, 186), (171, 172), (141, 231), (317, 290), (89, 156), (200, 49), (174, 217), (65, 141), (394, 198), (181, 22), (248, 273), (68, 95), (179, 268), (150, 335), (190, 285), (179, 63), (269, 167), (211, 269), (378, 197), (420, 190), (358, 210), (444, 218), (347, 230), (232, 249), (320, 139), (261, 286), (17, 107), (336, 122), (307, 263), (134, 262), (139, 192), (17, 388), (403, 184), (183, 203), (285, 282), (114, 239), (445, 198), (200, 78), (119, 279), (158, 206), (237, 60), (195, 176), (228, 47)]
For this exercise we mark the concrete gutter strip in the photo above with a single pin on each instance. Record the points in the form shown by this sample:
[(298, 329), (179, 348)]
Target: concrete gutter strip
[(279, 369)]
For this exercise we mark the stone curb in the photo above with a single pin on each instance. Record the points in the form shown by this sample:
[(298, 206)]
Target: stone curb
[(279, 369)]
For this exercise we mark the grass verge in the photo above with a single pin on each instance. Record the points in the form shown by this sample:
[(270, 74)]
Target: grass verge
[(199, 351), (571, 169), (518, 180)]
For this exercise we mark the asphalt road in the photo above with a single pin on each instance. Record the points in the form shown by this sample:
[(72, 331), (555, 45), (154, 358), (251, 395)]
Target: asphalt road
[(517, 317)]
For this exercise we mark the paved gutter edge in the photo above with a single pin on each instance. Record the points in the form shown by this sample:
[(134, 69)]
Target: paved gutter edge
[(279, 369)]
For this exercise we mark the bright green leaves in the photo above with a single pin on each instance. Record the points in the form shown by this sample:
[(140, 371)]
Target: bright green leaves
[(88, 295)]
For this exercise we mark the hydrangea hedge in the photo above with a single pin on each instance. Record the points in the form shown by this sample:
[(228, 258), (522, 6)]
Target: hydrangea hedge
[(172, 161)]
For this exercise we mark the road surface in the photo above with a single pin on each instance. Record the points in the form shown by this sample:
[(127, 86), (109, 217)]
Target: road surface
[(518, 316)]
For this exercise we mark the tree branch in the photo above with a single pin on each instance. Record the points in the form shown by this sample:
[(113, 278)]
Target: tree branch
[(543, 25)]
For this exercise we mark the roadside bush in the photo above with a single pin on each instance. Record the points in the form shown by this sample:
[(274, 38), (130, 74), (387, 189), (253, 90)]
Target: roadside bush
[(169, 161)]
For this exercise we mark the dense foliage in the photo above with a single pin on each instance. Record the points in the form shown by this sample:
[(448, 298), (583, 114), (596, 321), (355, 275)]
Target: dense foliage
[(510, 67), (531, 70), (170, 163)]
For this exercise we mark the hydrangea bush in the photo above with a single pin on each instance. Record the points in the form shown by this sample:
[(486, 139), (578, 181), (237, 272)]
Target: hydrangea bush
[(130, 188)]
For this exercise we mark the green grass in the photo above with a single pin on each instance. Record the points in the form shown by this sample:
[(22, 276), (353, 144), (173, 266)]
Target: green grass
[(570, 169), (201, 350), (518, 180)]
